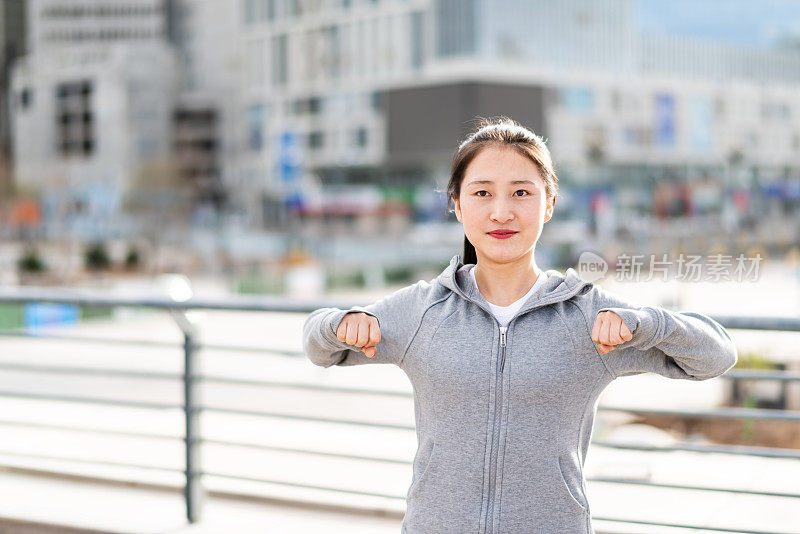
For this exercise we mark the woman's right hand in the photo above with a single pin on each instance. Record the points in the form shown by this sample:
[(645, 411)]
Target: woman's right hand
[(360, 330)]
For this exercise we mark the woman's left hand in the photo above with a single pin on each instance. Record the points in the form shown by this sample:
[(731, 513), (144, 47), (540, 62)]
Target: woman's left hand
[(609, 330)]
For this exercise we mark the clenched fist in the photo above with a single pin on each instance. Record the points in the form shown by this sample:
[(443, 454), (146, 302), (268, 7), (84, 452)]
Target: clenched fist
[(609, 330), (361, 330)]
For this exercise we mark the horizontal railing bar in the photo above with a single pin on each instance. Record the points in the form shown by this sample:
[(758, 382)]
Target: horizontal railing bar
[(86, 430), (257, 413), (730, 413), (721, 413), (738, 322), (736, 413), (263, 303), (44, 335), (259, 446), (88, 400), (758, 374), (91, 462), (678, 525), (269, 303), (225, 380), (259, 351), (399, 497), (305, 486), (300, 385), (65, 370), (735, 374), (765, 452), (614, 480)]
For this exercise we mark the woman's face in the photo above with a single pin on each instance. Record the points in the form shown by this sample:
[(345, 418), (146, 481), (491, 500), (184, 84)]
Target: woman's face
[(502, 189)]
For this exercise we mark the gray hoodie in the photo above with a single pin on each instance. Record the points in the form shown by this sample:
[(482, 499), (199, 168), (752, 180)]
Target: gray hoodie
[(504, 421)]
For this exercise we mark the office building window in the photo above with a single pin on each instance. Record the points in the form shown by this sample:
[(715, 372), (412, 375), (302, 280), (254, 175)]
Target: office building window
[(361, 137), (249, 11), (26, 98), (74, 118), (378, 100), (315, 140), (456, 24), (416, 39), (577, 99), (255, 127), (279, 72)]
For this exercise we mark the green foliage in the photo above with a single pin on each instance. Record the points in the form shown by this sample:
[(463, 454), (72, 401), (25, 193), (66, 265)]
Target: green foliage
[(132, 259), (31, 262), (748, 425), (399, 275), (255, 284), (96, 257), (345, 280), (11, 316), (754, 360), (96, 312)]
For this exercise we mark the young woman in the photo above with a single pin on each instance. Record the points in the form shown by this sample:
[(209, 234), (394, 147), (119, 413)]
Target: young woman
[(507, 361)]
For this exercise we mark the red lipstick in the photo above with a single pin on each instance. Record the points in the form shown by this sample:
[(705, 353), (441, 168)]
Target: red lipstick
[(502, 234)]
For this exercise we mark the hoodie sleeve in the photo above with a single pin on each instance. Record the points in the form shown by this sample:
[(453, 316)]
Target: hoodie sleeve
[(683, 345), (399, 315)]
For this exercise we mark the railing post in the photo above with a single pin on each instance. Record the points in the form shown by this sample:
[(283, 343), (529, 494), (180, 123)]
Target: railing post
[(193, 490)]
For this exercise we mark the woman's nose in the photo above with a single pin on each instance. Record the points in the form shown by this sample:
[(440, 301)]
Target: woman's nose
[(501, 212)]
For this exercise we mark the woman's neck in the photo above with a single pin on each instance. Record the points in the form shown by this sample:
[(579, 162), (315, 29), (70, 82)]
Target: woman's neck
[(503, 284)]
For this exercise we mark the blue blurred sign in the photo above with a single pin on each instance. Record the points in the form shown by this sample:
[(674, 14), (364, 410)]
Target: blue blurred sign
[(664, 131), (290, 169), (43, 314), (289, 158)]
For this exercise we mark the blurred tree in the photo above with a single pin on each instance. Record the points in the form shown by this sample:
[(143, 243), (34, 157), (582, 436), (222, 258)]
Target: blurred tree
[(96, 257), (132, 259), (31, 262)]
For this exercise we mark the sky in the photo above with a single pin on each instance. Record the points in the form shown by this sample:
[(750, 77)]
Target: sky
[(749, 22)]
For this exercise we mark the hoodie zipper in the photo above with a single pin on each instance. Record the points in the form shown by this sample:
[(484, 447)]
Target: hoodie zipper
[(503, 345), (499, 384), (497, 415)]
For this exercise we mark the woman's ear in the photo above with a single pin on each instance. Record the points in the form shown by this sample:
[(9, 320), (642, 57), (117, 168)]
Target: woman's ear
[(457, 205), (548, 212)]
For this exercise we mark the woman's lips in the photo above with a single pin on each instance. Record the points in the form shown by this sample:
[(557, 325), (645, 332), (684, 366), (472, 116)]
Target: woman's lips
[(502, 235)]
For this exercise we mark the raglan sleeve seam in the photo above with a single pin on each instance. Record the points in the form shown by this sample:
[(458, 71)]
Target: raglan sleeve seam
[(416, 330)]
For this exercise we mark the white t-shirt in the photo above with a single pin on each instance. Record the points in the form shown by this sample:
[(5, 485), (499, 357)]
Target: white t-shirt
[(504, 314)]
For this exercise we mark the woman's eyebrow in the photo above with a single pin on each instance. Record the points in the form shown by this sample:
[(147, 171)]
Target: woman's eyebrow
[(491, 182)]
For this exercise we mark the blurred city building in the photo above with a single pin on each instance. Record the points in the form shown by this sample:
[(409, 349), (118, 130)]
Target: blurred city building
[(12, 45), (345, 114), (381, 92), (203, 35), (112, 112), (95, 93)]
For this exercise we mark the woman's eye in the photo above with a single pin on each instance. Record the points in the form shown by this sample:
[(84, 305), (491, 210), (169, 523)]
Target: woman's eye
[(478, 193)]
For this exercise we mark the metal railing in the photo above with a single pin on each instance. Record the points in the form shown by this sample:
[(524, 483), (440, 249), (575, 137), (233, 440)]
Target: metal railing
[(192, 406)]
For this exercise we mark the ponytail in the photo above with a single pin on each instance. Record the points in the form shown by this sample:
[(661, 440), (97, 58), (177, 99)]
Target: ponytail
[(470, 256)]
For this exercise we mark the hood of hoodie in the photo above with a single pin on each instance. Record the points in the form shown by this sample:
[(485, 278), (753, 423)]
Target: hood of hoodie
[(557, 287)]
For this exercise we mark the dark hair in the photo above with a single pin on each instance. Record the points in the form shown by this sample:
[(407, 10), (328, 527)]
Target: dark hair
[(501, 132)]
